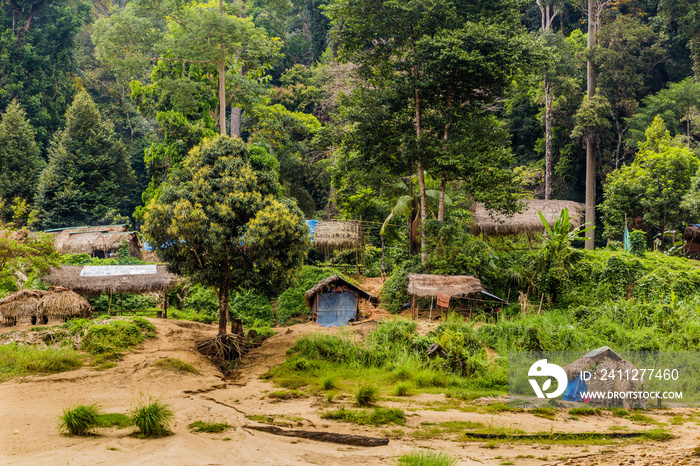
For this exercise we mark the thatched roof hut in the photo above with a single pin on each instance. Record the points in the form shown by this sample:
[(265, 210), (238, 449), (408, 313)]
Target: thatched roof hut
[(336, 281), (338, 234), (20, 304), (527, 221), (691, 236), (600, 361), (60, 302), (97, 241), (335, 301), (422, 285), (69, 276)]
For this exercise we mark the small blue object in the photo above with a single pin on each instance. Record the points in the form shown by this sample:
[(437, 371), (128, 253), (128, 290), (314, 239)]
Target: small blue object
[(628, 246), (574, 389), (312, 228)]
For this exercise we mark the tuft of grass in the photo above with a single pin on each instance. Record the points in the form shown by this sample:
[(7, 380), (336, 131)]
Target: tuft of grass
[(209, 427), (328, 383), (366, 395), (402, 389), (426, 458), (376, 417), (176, 365), (330, 395), (113, 420), (638, 417), (152, 417), (584, 411), (79, 420)]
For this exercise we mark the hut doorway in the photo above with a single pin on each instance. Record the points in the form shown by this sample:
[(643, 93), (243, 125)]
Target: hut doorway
[(336, 308)]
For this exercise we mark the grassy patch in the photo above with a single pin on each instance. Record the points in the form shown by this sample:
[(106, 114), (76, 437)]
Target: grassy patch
[(643, 418), (209, 427), (282, 420), (426, 458), (176, 365), (544, 412), (620, 412), (658, 435), (118, 420), (502, 408), (431, 430), (375, 417), (584, 411), (285, 395), (18, 360), (402, 389)]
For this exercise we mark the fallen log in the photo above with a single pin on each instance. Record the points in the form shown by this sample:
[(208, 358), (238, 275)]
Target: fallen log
[(345, 439)]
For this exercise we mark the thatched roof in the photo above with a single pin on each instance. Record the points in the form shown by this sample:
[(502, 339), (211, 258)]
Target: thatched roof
[(528, 220), (452, 285), (61, 302), (605, 359), (692, 233), (336, 234), (68, 276), (77, 241), (22, 303), (336, 280)]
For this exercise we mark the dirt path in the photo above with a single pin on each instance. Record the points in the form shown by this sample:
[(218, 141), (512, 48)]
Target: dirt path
[(29, 408)]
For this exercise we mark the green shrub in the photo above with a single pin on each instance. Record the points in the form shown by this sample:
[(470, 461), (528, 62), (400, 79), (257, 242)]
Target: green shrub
[(252, 309), (79, 420), (328, 383), (127, 302), (109, 340), (402, 389), (638, 242), (394, 292), (152, 417), (366, 395)]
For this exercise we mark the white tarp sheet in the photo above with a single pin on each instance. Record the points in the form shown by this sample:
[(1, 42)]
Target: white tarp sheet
[(116, 270)]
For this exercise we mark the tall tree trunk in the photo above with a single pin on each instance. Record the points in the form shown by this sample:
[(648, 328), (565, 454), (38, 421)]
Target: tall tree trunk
[(421, 184), (590, 146), (223, 306), (222, 97), (618, 150), (548, 138), (443, 174), (236, 122), (441, 205)]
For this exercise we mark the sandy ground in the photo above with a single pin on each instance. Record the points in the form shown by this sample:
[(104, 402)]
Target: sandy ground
[(29, 408)]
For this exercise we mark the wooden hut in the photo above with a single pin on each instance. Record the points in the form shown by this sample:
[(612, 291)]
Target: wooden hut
[(691, 236), (97, 241), (527, 221), (21, 304), (335, 301), (599, 362), (452, 286)]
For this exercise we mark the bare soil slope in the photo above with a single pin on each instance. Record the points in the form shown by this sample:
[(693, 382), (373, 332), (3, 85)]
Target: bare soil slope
[(30, 406)]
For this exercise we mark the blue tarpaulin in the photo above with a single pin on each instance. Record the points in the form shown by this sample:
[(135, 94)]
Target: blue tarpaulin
[(312, 228), (574, 389), (336, 309)]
